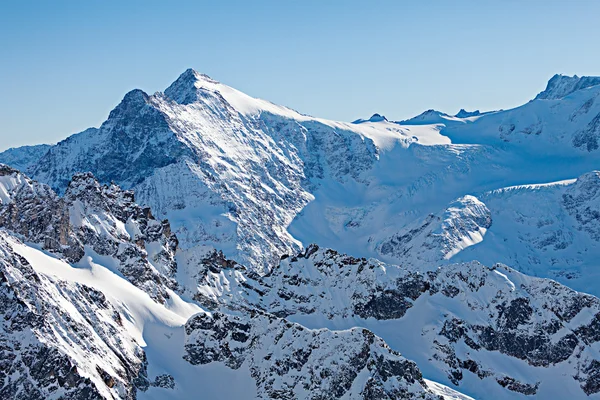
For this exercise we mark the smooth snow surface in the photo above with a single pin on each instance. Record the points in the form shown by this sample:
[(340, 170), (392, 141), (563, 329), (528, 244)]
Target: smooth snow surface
[(446, 392), (136, 304)]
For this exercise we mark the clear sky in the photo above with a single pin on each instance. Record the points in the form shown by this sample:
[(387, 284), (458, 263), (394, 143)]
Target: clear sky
[(65, 65)]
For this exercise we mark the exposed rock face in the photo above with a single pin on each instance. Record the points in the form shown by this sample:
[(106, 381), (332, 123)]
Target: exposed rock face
[(60, 340), (128, 147), (22, 158), (482, 311), (102, 219), (560, 86), (289, 361), (173, 149), (588, 136)]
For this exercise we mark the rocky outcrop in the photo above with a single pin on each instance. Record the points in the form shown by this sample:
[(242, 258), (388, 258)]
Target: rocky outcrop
[(92, 217), (289, 361), (560, 86), (482, 311)]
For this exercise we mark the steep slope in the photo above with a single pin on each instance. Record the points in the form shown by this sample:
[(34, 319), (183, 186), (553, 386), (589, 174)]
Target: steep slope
[(70, 332), (545, 230), (91, 219), (439, 237)]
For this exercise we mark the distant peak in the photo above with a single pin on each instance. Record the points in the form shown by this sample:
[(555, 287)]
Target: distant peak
[(560, 86), (429, 113), (135, 95), (377, 118), (185, 88), (466, 114), (374, 118)]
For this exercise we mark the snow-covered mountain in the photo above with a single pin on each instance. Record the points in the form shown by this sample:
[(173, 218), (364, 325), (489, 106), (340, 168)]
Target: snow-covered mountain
[(308, 329), (560, 86), (191, 211), (91, 311), (257, 180), (484, 329)]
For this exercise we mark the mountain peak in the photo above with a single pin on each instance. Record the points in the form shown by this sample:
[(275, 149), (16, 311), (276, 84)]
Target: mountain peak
[(184, 89), (135, 96), (560, 86), (374, 118), (132, 102), (466, 114), (377, 118), (191, 74)]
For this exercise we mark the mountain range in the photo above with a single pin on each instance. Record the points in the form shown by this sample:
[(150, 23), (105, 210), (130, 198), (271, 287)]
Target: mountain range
[(204, 241)]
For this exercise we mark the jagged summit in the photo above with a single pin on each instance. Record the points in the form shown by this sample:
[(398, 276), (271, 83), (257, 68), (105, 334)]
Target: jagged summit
[(560, 86), (132, 102), (192, 74), (466, 114), (185, 88)]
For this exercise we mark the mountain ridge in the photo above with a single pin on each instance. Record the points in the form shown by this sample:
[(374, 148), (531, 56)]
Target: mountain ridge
[(217, 135), (217, 238)]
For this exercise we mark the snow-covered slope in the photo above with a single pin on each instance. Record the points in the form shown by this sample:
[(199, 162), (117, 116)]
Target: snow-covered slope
[(561, 122), (92, 219), (545, 230), (257, 180), (71, 332), (491, 332), (233, 188), (92, 310)]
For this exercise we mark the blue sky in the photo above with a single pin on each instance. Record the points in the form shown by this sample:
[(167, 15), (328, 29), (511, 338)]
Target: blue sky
[(65, 65)]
